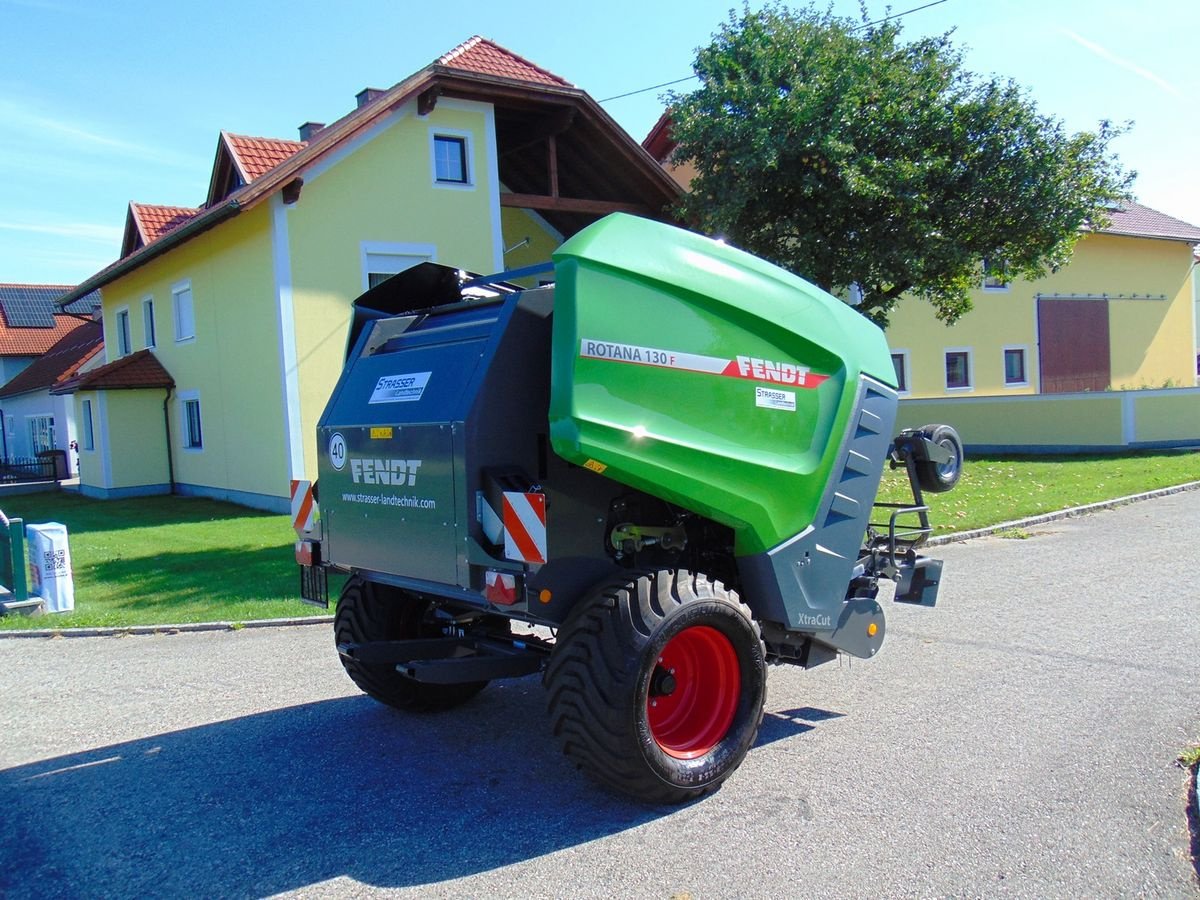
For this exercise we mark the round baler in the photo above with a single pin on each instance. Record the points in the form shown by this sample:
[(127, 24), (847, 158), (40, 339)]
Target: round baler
[(646, 481)]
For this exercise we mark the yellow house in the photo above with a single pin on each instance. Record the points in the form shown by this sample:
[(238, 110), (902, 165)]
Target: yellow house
[(225, 325), (1121, 315)]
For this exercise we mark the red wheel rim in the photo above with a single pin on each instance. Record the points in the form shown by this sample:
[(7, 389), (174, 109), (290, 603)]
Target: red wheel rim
[(699, 669)]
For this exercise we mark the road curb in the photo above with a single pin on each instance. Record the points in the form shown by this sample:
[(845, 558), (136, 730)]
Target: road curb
[(121, 631), (1061, 514), (124, 630)]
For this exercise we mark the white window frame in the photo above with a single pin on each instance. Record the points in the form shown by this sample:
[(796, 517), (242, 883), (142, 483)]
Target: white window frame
[(970, 385), (149, 326), (384, 258), (177, 291), (906, 368), (88, 444), (998, 288), (468, 140), (1024, 349), (185, 398), (121, 325)]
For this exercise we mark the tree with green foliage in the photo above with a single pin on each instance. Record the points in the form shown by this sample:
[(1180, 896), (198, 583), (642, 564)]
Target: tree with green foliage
[(835, 149)]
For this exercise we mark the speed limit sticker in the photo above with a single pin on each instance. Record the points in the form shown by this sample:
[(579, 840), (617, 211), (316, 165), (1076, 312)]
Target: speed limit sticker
[(337, 450)]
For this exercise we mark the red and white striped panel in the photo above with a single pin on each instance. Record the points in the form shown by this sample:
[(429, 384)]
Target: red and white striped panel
[(525, 527), (304, 508)]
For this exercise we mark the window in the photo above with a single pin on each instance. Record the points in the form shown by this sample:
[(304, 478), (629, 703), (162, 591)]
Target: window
[(185, 322), (900, 364), (380, 260), (1014, 367), (958, 370), (193, 434), (450, 159), (89, 436), (995, 275), (124, 344), (41, 433), (148, 320)]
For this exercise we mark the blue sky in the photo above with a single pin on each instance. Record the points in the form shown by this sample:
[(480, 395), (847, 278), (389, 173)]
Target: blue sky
[(105, 103)]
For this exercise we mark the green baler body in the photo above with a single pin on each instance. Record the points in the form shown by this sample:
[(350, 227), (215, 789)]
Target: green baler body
[(706, 376)]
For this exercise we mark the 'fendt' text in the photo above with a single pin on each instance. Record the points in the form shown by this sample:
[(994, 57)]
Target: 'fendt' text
[(384, 471), (766, 370)]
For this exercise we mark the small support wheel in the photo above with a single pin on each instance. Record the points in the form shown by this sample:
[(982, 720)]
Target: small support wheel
[(657, 685), (939, 477), (368, 611)]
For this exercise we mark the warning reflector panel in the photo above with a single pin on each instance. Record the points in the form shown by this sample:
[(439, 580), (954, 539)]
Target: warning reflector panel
[(525, 527), (304, 508)]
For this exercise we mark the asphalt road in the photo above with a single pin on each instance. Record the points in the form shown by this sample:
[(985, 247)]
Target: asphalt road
[(1015, 741)]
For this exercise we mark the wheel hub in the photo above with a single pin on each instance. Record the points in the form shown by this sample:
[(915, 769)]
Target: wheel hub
[(694, 692)]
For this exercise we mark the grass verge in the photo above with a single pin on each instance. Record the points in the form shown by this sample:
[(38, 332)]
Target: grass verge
[(167, 560), (1004, 489)]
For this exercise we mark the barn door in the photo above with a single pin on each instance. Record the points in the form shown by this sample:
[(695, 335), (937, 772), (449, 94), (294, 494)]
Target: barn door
[(1073, 348)]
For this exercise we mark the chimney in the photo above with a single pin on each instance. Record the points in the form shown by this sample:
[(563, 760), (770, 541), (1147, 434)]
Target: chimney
[(309, 130), (366, 95)]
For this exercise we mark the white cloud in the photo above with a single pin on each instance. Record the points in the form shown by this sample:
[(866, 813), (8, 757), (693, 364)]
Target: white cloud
[(36, 125), (84, 231), (1124, 63)]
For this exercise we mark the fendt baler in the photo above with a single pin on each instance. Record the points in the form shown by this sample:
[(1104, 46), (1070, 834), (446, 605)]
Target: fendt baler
[(663, 466)]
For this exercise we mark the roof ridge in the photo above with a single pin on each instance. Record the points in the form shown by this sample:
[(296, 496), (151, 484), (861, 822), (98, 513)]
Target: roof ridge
[(261, 137), (478, 41), (459, 50)]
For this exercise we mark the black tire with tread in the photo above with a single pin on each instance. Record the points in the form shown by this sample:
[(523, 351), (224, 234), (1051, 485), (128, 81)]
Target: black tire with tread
[(599, 674), (366, 612), (938, 478)]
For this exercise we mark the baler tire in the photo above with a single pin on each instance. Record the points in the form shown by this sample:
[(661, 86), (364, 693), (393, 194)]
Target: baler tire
[(366, 612), (610, 664), (937, 478)]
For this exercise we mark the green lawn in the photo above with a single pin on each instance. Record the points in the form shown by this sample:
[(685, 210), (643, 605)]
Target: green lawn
[(160, 560), (995, 490), (170, 560)]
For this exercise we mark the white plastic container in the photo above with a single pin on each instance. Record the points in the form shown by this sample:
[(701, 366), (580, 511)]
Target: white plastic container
[(50, 566)]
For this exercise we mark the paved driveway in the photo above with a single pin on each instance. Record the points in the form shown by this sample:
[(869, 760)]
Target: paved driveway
[(1016, 741)]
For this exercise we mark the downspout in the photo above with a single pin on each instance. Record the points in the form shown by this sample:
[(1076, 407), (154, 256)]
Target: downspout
[(167, 426)]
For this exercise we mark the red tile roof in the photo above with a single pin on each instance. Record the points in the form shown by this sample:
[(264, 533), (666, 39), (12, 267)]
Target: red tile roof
[(34, 341), (488, 58), (61, 361), (1135, 220), (256, 156), (154, 221), (138, 370)]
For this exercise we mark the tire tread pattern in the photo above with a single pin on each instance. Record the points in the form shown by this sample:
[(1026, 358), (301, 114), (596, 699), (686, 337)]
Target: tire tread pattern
[(591, 673)]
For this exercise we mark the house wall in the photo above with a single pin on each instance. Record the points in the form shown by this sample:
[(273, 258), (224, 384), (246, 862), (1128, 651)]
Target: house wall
[(231, 365), (12, 366), (1065, 423), (519, 224), (1151, 340), (378, 195), (19, 409), (130, 452)]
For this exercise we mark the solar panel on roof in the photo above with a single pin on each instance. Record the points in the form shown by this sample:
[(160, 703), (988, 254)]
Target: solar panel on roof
[(34, 305), (29, 306), (85, 305)]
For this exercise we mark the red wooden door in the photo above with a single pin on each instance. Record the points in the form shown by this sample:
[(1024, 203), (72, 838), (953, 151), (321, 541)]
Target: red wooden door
[(1073, 347)]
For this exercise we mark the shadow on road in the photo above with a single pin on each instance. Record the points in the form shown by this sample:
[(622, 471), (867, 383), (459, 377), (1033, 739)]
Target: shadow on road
[(296, 796)]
